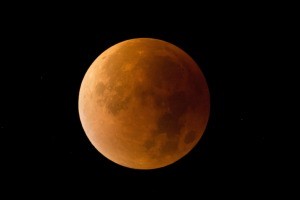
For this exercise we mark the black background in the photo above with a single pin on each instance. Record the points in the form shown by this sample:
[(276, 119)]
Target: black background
[(48, 61)]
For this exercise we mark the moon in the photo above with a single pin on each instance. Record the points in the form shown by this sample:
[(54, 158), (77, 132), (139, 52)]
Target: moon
[(144, 103)]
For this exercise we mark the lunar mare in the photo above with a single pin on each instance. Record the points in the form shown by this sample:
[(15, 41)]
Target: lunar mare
[(144, 103)]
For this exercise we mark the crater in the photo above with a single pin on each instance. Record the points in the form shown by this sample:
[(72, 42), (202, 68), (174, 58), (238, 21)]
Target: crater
[(116, 106)]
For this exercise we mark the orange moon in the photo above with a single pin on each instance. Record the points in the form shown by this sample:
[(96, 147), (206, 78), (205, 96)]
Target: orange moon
[(144, 103)]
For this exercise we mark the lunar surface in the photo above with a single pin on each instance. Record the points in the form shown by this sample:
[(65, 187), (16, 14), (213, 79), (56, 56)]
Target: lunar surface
[(144, 103)]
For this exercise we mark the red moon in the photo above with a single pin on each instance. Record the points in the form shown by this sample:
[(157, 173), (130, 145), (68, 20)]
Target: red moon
[(144, 103)]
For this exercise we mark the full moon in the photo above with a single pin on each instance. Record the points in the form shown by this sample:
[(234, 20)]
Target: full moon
[(144, 103)]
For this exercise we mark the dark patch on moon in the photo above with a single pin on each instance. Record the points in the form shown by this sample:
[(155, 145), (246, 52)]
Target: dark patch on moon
[(148, 96), (143, 94), (116, 106), (149, 144), (115, 101), (170, 147), (116, 98), (161, 76), (190, 137), (168, 123), (178, 103)]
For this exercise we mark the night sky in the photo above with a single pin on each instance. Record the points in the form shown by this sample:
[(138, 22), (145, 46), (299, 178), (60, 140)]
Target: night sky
[(48, 141)]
